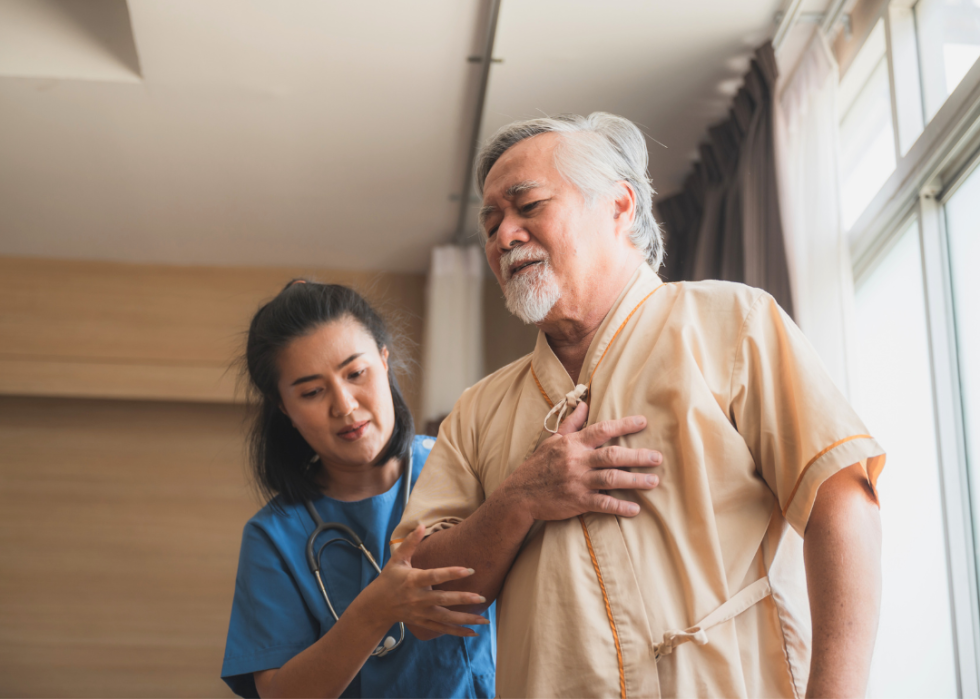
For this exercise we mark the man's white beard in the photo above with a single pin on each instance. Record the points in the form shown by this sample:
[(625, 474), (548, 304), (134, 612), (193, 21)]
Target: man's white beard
[(533, 292)]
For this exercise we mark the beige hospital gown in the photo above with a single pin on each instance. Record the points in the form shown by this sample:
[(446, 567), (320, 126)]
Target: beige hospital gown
[(749, 425)]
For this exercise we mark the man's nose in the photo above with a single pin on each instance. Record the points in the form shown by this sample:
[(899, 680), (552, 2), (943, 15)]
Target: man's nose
[(511, 234), (343, 403)]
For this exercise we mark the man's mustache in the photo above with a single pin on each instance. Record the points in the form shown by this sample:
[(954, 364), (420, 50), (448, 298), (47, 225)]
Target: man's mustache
[(516, 256)]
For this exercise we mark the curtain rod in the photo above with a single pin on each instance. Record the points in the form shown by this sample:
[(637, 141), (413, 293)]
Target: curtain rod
[(793, 16)]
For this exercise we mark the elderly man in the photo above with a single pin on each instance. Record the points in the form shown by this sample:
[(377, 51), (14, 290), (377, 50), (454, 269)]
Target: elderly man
[(634, 492)]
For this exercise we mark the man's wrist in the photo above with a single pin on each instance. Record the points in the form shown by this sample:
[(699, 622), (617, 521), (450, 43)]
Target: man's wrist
[(512, 502)]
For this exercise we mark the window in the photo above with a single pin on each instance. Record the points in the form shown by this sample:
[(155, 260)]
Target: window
[(893, 395), (866, 134), (910, 133), (963, 233), (918, 53), (949, 34)]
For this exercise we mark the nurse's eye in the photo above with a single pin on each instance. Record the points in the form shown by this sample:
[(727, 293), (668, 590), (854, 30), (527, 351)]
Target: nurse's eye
[(311, 393), (356, 374)]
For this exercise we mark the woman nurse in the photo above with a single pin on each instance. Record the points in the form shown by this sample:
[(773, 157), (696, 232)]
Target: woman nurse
[(333, 441)]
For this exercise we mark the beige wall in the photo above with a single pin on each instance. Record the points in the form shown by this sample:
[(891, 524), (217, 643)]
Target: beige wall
[(120, 523), (110, 330)]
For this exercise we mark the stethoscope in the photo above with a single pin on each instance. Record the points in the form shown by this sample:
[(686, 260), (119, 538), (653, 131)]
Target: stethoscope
[(354, 541)]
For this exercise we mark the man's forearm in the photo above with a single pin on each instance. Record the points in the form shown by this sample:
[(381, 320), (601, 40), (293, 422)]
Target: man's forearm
[(842, 550), (487, 541)]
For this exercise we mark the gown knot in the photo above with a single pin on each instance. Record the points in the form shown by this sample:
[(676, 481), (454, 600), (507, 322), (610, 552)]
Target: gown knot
[(565, 405)]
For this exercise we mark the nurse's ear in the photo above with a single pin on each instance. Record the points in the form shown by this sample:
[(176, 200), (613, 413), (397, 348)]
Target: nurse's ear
[(282, 409), (384, 357)]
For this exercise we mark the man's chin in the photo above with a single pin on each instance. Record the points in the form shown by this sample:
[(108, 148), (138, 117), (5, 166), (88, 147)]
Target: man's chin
[(531, 311)]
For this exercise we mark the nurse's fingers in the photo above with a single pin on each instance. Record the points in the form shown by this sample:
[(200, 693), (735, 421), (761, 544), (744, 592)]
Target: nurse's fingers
[(438, 576), (406, 549), (447, 617), (454, 598), (601, 432), (444, 628)]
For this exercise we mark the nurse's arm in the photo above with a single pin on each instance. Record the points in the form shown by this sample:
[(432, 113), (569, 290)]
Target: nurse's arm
[(401, 592), (564, 478), (842, 552)]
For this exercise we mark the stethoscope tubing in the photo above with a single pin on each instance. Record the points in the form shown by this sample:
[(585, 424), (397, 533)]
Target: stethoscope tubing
[(350, 538)]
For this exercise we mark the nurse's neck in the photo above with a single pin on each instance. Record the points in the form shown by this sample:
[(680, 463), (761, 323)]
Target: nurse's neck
[(351, 483)]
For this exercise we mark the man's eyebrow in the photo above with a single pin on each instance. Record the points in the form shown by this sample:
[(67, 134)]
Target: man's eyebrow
[(485, 213), (512, 191), (520, 188), (313, 377)]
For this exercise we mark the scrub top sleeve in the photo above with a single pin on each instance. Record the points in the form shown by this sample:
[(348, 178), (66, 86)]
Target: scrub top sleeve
[(798, 426), (270, 622), (448, 491)]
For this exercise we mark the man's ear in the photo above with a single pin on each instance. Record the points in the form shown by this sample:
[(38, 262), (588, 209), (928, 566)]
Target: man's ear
[(624, 207)]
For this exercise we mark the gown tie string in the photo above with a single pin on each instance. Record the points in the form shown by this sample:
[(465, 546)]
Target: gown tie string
[(566, 405)]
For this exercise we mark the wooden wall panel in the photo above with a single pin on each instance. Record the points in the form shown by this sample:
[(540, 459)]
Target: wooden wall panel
[(102, 329), (120, 523)]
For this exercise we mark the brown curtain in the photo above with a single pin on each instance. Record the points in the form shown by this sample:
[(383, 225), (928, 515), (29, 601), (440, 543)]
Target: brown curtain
[(725, 223)]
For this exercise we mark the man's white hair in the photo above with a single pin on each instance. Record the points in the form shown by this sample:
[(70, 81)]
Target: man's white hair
[(594, 153)]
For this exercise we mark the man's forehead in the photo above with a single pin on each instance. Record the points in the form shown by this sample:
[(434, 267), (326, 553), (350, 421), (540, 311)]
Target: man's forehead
[(530, 159)]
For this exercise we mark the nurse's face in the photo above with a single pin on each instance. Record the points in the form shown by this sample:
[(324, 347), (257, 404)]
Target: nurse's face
[(333, 384)]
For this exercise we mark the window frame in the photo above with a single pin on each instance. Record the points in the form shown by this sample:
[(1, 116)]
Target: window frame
[(940, 159)]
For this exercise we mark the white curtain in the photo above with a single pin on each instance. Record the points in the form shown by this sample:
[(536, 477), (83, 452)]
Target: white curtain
[(453, 345), (817, 250)]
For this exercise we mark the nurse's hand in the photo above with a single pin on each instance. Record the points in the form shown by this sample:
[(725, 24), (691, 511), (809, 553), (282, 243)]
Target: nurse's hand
[(404, 593)]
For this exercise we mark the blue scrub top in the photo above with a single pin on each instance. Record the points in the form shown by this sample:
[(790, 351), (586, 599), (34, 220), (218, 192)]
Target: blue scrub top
[(279, 611)]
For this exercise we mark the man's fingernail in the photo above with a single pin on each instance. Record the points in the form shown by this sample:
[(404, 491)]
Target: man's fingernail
[(633, 509), (656, 457), (482, 599), (470, 571), (651, 480), (638, 421)]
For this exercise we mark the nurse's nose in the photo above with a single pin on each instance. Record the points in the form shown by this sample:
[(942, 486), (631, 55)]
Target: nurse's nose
[(343, 404)]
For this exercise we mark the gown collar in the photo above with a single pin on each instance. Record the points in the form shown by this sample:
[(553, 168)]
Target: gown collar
[(555, 383)]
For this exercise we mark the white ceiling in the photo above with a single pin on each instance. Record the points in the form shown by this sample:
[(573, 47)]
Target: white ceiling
[(329, 133)]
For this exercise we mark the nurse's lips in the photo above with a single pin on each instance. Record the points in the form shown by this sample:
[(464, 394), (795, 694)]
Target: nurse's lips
[(355, 431)]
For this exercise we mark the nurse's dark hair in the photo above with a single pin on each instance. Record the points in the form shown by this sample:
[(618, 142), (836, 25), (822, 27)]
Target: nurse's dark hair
[(278, 454)]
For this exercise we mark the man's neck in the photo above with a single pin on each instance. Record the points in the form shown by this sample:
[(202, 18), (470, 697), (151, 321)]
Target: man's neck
[(571, 335)]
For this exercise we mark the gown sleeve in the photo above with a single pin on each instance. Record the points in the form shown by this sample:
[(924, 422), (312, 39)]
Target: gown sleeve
[(270, 622), (799, 427), (448, 491)]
